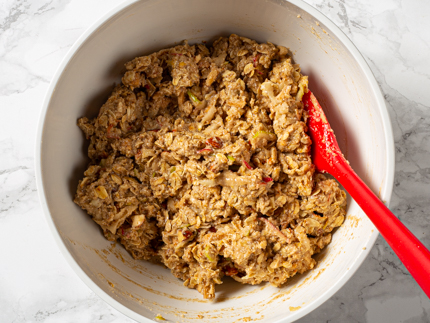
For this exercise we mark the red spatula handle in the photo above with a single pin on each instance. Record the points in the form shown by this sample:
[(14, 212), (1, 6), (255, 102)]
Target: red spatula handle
[(414, 255)]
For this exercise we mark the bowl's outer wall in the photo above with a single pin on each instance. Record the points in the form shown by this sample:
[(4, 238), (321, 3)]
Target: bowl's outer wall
[(348, 93)]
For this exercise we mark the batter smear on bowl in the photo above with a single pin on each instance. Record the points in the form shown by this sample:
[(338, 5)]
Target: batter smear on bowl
[(200, 159)]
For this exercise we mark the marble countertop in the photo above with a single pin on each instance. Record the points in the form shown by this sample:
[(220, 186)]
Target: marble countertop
[(36, 283)]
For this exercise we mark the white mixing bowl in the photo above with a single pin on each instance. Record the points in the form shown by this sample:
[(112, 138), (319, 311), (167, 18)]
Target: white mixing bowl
[(338, 76)]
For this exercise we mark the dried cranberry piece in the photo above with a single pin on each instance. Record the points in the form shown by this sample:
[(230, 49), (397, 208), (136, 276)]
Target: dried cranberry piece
[(230, 271), (187, 234), (215, 142)]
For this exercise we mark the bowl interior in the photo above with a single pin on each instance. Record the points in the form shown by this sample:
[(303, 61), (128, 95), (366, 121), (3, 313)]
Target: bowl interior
[(344, 87)]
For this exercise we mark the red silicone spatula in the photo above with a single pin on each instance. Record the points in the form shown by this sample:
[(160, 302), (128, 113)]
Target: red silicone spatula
[(327, 157)]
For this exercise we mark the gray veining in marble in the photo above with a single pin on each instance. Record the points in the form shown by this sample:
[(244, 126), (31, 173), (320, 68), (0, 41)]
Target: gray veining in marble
[(36, 284)]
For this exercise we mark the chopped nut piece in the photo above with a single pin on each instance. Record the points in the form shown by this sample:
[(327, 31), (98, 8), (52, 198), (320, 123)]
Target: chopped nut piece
[(101, 192)]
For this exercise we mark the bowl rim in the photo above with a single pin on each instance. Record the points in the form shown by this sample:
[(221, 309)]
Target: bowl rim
[(385, 192)]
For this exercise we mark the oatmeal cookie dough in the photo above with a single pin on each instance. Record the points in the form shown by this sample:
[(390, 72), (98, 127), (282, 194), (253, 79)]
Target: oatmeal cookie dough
[(200, 160)]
